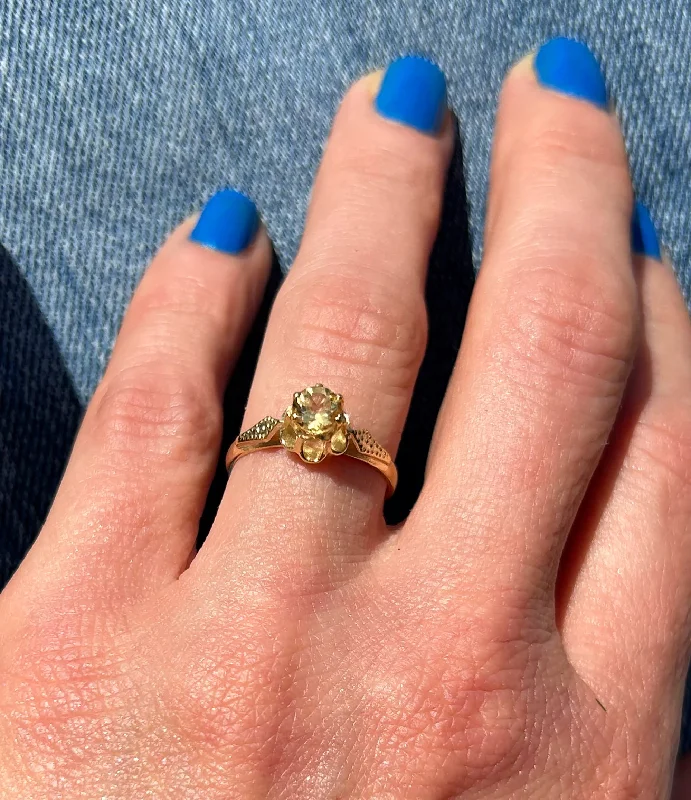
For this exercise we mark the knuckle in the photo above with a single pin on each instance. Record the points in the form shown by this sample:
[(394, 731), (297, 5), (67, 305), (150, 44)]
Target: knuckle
[(228, 693), (571, 331), (358, 328), (552, 143), (386, 171), (183, 292), (147, 411), (178, 295), (556, 134), (55, 671), (556, 155), (384, 155), (474, 709)]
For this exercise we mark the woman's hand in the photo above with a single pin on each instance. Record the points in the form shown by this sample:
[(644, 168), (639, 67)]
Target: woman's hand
[(306, 651)]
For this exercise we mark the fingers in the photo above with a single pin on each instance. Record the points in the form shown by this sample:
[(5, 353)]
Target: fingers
[(126, 516), (351, 314), (625, 585), (548, 342)]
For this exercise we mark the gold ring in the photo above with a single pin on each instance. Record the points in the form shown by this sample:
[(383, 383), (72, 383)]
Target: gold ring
[(315, 426)]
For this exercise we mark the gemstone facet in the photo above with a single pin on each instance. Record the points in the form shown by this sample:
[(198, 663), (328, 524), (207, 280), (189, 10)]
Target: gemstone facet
[(315, 424), (316, 410)]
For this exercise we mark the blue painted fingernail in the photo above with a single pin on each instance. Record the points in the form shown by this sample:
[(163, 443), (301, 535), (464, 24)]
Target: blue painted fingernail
[(228, 222), (413, 92), (568, 66), (644, 241)]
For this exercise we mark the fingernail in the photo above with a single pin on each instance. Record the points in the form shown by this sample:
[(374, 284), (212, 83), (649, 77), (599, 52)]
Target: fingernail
[(413, 92), (568, 66), (526, 65), (228, 222), (373, 82), (644, 241)]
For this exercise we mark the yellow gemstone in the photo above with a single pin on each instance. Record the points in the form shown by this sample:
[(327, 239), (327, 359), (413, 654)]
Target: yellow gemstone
[(288, 436), (339, 441), (313, 450), (316, 409)]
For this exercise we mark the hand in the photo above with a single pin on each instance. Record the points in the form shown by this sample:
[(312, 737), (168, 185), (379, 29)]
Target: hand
[(523, 635)]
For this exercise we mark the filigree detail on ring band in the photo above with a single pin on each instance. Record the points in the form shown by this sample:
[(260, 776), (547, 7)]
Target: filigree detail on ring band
[(314, 427)]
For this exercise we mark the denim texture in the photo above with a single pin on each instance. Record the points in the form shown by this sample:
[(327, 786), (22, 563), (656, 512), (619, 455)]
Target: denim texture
[(120, 117)]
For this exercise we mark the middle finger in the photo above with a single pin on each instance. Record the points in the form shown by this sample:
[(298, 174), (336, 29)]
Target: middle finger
[(549, 341)]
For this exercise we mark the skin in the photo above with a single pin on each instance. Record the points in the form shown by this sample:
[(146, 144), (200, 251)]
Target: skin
[(523, 635)]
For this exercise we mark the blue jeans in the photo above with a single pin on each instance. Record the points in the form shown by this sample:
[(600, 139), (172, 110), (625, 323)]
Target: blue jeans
[(119, 117)]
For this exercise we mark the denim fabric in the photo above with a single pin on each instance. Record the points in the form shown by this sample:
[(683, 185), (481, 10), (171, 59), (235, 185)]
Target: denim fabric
[(119, 117)]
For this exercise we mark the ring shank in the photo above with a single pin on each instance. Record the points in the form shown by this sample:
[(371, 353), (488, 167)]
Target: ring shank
[(361, 446)]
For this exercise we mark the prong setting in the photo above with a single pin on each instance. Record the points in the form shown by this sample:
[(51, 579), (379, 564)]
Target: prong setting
[(315, 425)]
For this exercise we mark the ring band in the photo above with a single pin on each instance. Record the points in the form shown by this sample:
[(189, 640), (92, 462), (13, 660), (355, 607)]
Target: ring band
[(315, 427)]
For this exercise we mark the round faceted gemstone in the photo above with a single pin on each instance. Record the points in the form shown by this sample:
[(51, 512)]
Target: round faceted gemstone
[(317, 410)]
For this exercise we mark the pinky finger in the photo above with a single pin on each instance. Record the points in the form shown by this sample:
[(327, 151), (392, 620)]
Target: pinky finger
[(627, 608)]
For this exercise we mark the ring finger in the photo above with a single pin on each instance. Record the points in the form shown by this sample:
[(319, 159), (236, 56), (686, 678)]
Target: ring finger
[(351, 316)]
